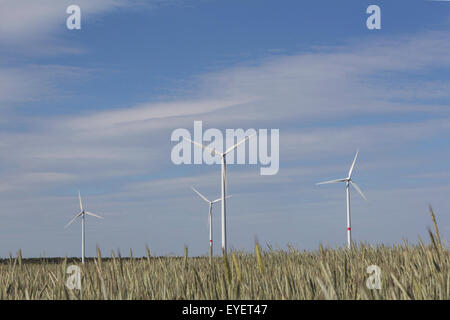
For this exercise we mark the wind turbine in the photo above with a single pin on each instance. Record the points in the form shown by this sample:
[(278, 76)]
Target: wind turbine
[(223, 182), (348, 181), (210, 203), (82, 214)]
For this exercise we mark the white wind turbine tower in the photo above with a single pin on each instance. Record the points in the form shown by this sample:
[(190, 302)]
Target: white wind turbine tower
[(348, 181), (210, 203), (82, 214), (224, 183)]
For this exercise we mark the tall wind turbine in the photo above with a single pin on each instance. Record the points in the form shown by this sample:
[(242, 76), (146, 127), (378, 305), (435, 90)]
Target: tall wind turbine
[(210, 203), (348, 181), (223, 182), (82, 214)]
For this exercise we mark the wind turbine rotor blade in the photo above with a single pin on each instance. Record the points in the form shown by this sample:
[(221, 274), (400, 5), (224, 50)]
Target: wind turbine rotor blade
[(239, 143), (74, 218), (332, 181), (79, 198), (353, 165), (220, 199), (94, 215), (213, 151), (358, 189), (202, 196)]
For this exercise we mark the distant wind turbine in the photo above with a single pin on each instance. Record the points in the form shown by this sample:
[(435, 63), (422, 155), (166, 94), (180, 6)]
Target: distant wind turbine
[(82, 214), (210, 203), (223, 182), (348, 181)]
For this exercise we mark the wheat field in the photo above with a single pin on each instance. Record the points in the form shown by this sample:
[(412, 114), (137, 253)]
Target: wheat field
[(418, 271)]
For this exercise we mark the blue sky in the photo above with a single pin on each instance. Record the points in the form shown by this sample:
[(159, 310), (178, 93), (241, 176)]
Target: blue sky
[(93, 109)]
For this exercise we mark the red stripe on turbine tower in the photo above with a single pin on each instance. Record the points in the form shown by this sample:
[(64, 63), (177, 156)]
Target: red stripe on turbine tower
[(349, 229)]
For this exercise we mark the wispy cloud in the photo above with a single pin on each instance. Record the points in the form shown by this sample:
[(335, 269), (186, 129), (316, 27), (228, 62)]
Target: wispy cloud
[(33, 180), (25, 22), (32, 83), (334, 85)]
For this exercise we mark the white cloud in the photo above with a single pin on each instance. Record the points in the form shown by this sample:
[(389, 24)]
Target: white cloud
[(27, 21), (32, 83), (283, 92), (34, 180), (137, 118)]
